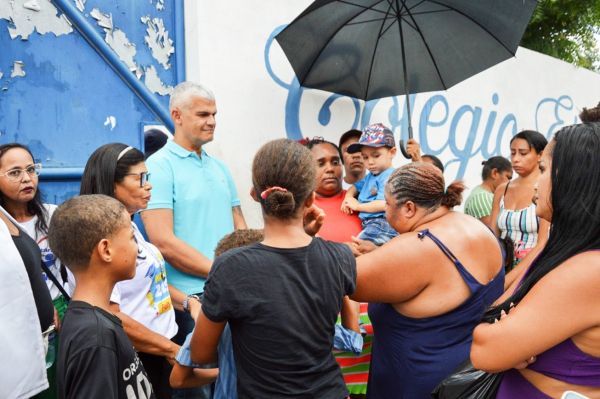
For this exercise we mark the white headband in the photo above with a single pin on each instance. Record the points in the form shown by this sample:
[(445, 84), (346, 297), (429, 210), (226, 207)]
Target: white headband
[(123, 153)]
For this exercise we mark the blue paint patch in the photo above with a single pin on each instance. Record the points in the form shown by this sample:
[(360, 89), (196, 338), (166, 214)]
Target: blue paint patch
[(40, 151)]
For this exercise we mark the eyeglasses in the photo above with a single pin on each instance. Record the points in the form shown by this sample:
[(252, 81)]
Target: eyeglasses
[(16, 175), (144, 177)]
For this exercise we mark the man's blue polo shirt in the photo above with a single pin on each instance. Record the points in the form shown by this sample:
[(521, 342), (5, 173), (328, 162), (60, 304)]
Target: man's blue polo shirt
[(201, 193)]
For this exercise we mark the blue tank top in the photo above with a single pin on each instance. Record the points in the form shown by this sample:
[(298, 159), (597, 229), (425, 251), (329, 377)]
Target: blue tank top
[(411, 356)]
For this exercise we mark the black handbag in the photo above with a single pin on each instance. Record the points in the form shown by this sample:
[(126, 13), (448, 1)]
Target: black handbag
[(466, 382)]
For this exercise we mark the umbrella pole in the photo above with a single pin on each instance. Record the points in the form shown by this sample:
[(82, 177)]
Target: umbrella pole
[(406, 91)]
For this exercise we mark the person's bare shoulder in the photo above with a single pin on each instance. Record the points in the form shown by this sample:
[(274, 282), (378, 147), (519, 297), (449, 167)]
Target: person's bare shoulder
[(461, 224), (585, 265), (500, 190), (576, 279)]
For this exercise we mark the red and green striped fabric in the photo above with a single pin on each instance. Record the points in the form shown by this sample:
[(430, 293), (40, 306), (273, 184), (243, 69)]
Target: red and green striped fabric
[(356, 368)]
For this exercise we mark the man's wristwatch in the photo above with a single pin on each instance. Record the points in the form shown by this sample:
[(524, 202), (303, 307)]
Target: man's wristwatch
[(186, 300)]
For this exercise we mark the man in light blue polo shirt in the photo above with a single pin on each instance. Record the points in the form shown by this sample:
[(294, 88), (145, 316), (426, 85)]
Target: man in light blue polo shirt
[(194, 202)]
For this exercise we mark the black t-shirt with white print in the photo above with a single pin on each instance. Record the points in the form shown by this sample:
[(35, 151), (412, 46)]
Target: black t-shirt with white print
[(96, 358)]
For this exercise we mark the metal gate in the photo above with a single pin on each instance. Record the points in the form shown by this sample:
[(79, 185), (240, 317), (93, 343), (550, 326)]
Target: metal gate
[(77, 74)]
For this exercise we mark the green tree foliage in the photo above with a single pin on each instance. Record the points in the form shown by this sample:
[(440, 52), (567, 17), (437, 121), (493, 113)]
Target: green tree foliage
[(566, 29)]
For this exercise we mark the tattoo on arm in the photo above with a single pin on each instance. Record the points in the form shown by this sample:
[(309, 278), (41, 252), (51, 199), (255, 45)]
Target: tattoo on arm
[(237, 210)]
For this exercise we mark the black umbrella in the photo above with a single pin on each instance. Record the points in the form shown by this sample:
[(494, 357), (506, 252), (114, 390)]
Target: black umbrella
[(357, 48)]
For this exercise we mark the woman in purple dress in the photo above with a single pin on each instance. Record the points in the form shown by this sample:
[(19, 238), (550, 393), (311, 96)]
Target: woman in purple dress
[(548, 335)]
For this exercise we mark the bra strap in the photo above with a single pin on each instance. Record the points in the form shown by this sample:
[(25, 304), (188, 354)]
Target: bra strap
[(506, 189)]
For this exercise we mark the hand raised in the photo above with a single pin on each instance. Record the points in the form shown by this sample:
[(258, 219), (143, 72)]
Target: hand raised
[(414, 150), (314, 217)]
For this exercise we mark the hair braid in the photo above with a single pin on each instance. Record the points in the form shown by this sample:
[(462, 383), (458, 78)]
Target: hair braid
[(423, 184)]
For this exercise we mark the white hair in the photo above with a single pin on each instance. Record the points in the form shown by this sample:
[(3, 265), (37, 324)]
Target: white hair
[(184, 92)]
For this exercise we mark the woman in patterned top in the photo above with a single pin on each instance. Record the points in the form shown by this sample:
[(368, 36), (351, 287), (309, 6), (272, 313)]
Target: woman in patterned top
[(496, 171), (513, 212)]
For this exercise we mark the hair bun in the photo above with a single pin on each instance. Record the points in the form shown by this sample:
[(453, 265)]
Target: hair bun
[(285, 174), (280, 203), (484, 162), (453, 195)]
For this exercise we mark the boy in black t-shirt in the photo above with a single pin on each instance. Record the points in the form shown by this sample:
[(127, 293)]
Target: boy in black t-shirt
[(92, 234)]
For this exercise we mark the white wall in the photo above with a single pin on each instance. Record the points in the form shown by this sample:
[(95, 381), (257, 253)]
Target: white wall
[(225, 49)]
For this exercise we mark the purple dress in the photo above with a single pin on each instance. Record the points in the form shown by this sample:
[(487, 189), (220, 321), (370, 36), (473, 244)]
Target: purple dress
[(411, 356)]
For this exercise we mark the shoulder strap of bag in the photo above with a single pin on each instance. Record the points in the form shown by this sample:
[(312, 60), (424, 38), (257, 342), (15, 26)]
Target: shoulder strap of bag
[(58, 285)]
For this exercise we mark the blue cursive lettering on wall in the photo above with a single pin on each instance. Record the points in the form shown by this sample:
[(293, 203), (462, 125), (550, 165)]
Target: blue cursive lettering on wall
[(325, 112), (426, 122), (564, 102), (292, 119), (399, 120)]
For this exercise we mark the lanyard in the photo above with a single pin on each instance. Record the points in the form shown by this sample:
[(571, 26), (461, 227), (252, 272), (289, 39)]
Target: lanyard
[(143, 244)]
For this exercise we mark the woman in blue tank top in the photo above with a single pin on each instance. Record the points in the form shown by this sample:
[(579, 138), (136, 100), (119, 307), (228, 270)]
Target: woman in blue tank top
[(548, 336), (430, 285)]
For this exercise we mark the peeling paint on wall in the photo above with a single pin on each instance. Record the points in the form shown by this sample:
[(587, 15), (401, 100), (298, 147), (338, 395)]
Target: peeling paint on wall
[(154, 84), (139, 71), (27, 16), (118, 41), (18, 69), (158, 40), (160, 4), (80, 79), (32, 5), (112, 121), (80, 5), (104, 20)]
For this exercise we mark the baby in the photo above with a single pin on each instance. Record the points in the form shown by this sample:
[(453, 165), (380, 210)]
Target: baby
[(378, 148)]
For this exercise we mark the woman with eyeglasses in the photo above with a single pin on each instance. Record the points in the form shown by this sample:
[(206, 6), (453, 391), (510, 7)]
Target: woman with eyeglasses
[(21, 198), (143, 303)]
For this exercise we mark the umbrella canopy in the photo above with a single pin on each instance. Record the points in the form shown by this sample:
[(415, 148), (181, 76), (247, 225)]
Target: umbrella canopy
[(357, 48)]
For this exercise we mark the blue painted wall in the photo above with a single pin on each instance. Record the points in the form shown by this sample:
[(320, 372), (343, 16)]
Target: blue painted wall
[(60, 106)]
